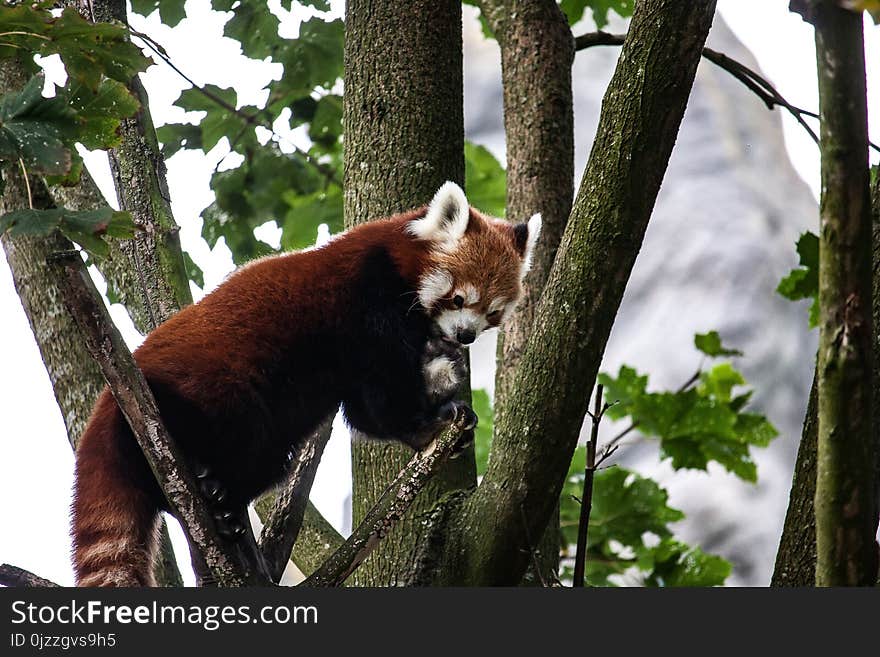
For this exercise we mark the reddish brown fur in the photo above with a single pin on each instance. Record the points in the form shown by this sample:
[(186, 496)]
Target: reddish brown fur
[(218, 356), (487, 258)]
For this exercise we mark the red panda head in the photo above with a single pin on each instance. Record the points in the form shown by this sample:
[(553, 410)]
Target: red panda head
[(476, 264)]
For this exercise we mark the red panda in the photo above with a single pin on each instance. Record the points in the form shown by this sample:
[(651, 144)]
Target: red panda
[(373, 322)]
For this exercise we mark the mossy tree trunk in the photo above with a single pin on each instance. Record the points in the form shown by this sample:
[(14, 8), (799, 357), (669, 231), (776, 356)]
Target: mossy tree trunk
[(486, 541), (846, 519), (537, 53), (148, 271), (404, 137), (796, 556)]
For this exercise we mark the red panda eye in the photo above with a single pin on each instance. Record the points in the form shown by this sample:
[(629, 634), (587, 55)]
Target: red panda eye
[(458, 301), (493, 315)]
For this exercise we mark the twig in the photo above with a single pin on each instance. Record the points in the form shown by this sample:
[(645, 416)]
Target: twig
[(611, 446), (229, 563), (756, 83), (387, 510), (13, 576), (580, 557), (286, 515), (27, 184)]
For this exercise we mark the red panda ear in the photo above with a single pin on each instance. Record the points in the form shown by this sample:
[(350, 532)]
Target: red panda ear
[(525, 236), (447, 217)]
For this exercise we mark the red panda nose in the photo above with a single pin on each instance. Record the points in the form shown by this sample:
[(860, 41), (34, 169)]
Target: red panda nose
[(466, 336)]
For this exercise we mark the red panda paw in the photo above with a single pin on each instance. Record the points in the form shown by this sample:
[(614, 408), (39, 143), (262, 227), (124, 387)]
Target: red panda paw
[(229, 525), (459, 413)]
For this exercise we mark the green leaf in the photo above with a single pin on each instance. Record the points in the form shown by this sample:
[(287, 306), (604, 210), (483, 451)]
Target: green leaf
[(485, 180), (221, 117), (720, 381), (85, 227), (675, 564), (99, 114), (574, 10), (803, 282), (694, 425), (626, 505), (34, 128), (482, 405), (314, 59), (171, 12), (91, 51), (623, 391), (307, 212), (177, 136), (255, 28), (710, 344), (193, 271)]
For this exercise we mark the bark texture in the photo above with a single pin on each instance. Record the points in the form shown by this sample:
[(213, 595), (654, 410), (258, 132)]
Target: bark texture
[(846, 521), (389, 510), (796, 557), (75, 377), (148, 271), (537, 52), (404, 137), (230, 563), (317, 540), (537, 434), (283, 513)]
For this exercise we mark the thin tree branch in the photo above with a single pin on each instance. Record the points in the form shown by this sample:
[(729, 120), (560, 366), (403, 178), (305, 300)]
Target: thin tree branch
[(580, 557), (611, 446), (285, 518), (13, 576), (755, 82), (533, 553), (228, 562), (387, 510), (641, 114)]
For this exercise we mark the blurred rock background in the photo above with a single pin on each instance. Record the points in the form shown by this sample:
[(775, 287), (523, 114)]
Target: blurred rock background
[(722, 235)]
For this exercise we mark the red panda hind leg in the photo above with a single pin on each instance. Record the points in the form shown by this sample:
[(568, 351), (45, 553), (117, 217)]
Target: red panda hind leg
[(115, 518)]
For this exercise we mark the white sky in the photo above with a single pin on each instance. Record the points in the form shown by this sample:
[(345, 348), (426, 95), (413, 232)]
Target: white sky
[(35, 460)]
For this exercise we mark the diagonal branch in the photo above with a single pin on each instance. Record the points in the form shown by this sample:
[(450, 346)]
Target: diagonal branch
[(285, 518), (387, 510), (755, 82), (228, 563), (536, 436), (13, 576), (317, 540)]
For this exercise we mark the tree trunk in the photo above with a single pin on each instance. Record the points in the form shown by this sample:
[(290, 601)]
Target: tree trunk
[(537, 434), (404, 137), (148, 271), (796, 557), (75, 377), (845, 518), (537, 52)]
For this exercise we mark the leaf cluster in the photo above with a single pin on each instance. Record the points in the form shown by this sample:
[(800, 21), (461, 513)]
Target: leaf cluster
[(629, 537), (803, 281), (703, 422), (39, 134)]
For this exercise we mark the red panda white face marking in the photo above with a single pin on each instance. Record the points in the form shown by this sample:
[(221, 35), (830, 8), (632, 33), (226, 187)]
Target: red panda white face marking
[(477, 264)]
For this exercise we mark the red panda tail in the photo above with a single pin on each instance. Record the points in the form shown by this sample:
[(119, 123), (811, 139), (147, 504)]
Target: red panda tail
[(115, 514)]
